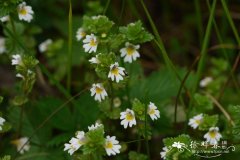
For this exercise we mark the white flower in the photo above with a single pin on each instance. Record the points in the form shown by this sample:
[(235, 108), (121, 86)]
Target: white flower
[(93, 127), (99, 92), (128, 118), (213, 135), (5, 18), (2, 45), (153, 111), (75, 143), (91, 43), (130, 52), (94, 60), (206, 81), (164, 152), (22, 144), (16, 59), (112, 146), (2, 120), (196, 121), (20, 76), (80, 34), (116, 72), (25, 12), (43, 47), (178, 145)]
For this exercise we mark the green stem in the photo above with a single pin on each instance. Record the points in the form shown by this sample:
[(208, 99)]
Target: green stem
[(69, 47), (235, 32), (203, 52), (106, 7), (146, 136), (199, 20)]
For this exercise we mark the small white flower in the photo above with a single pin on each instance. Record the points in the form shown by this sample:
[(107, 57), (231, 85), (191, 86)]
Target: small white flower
[(206, 81), (90, 43), (22, 144), (43, 47), (16, 59), (5, 18), (128, 118), (80, 34), (153, 111), (99, 92), (213, 135), (20, 76), (164, 152), (94, 60), (93, 127), (112, 146), (178, 145), (2, 45), (196, 121), (75, 143), (116, 72), (130, 52), (25, 12), (2, 120)]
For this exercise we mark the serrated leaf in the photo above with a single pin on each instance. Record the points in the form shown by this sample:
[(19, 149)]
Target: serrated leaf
[(208, 121), (135, 33)]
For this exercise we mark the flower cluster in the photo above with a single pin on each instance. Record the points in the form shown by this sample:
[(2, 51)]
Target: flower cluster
[(88, 139), (97, 37), (25, 67), (129, 119), (212, 136)]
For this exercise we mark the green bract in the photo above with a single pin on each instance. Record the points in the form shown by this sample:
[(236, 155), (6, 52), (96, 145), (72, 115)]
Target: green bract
[(135, 33)]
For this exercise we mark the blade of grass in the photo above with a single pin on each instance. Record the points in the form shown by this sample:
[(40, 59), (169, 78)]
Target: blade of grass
[(203, 52), (231, 75), (106, 7), (69, 71), (199, 20)]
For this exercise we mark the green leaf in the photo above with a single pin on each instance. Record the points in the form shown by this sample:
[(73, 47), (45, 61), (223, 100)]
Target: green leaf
[(97, 24), (62, 120), (203, 103), (208, 121), (6, 158), (95, 141), (135, 33), (132, 155), (7, 6), (139, 109)]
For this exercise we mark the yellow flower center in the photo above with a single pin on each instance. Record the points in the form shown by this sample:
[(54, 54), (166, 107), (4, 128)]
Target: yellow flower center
[(212, 134), (114, 71), (99, 90), (109, 145), (83, 34), (151, 111), (23, 11), (130, 50), (129, 117), (92, 43), (197, 121)]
